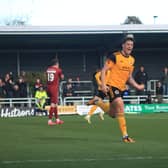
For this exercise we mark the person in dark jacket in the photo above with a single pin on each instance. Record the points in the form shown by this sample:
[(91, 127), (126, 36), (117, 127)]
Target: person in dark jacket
[(141, 77), (159, 92), (164, 80)]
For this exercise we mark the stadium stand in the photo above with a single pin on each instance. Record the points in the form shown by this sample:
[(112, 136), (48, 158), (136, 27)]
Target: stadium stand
[(80, 49)]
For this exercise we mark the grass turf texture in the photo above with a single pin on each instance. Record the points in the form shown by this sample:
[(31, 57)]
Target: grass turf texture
[(31, 143)]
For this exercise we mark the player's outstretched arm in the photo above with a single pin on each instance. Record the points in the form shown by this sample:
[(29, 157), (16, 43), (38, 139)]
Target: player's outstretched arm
[(133, 83), (103, 74)]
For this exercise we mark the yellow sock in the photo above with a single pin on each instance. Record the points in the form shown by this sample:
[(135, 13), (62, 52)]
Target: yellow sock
[(122, 125), (92, 109), (103, 105)]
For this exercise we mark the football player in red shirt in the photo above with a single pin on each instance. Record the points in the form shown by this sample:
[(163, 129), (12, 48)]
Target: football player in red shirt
[(54, 74)]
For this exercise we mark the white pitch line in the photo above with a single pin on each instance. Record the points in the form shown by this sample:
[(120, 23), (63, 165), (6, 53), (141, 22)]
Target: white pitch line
[(146, 118), (86, 159)]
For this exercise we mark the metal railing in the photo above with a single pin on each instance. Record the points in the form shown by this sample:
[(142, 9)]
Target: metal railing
[(84, 100), (82, 87), (29, 102), (151, 86), (77, 100), (81, 98), (135, 99)]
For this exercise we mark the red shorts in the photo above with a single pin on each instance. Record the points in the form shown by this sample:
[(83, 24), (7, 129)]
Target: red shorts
[(53, 93)]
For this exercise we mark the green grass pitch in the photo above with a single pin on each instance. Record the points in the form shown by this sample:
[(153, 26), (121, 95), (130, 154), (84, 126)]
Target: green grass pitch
[(31, 143)]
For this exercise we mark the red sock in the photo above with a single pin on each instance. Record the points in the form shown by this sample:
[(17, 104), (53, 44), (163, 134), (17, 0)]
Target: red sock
[(51, 111), (56, 112)]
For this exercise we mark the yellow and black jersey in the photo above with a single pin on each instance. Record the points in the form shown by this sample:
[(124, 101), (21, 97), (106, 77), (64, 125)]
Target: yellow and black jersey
[(120, 68)]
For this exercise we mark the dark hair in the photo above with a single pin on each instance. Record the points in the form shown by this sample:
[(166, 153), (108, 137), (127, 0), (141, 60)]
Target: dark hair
[(54, 61), (127, 38)]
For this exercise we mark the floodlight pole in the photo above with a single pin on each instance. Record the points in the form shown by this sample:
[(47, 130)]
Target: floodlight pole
[(154, 19), (18, 63)]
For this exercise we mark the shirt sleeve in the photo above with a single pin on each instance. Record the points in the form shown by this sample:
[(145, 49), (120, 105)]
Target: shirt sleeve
[(112, 57), (45, 95), (109, 63), (37, 95), (97, 76), (111, 60)]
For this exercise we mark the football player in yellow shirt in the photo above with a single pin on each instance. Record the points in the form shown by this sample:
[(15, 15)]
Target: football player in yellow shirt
[(121, 65), (98, 98)]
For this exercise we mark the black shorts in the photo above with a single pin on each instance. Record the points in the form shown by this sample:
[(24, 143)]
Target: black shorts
[(100, 94), (114, 93)]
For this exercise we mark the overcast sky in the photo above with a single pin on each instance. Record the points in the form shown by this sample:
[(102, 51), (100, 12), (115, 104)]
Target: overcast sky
[(85, 12)]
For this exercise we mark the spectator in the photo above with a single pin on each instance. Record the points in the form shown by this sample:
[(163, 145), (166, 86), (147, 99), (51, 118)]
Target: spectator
[(159, 92), (41, 96), (77, 84), (37, 84), (69, 80), (16, 91), (23, 75), (164, 80), (11, 75), (22, 87), (149, 99), (9, 87), (2, 89), (16, 94), (7, 77), (68, 92), (141, 77)]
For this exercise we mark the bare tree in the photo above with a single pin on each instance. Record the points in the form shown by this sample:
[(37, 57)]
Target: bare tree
[(132, 20), (15, 21), (18, 13)]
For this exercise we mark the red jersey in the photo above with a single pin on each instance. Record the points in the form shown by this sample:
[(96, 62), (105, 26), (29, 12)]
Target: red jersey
[(53, 76)]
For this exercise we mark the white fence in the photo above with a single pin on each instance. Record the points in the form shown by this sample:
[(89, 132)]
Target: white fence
[(78, 100), (83, 95), (151, 86), (127, 99), (81, 87), (29, 102)]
